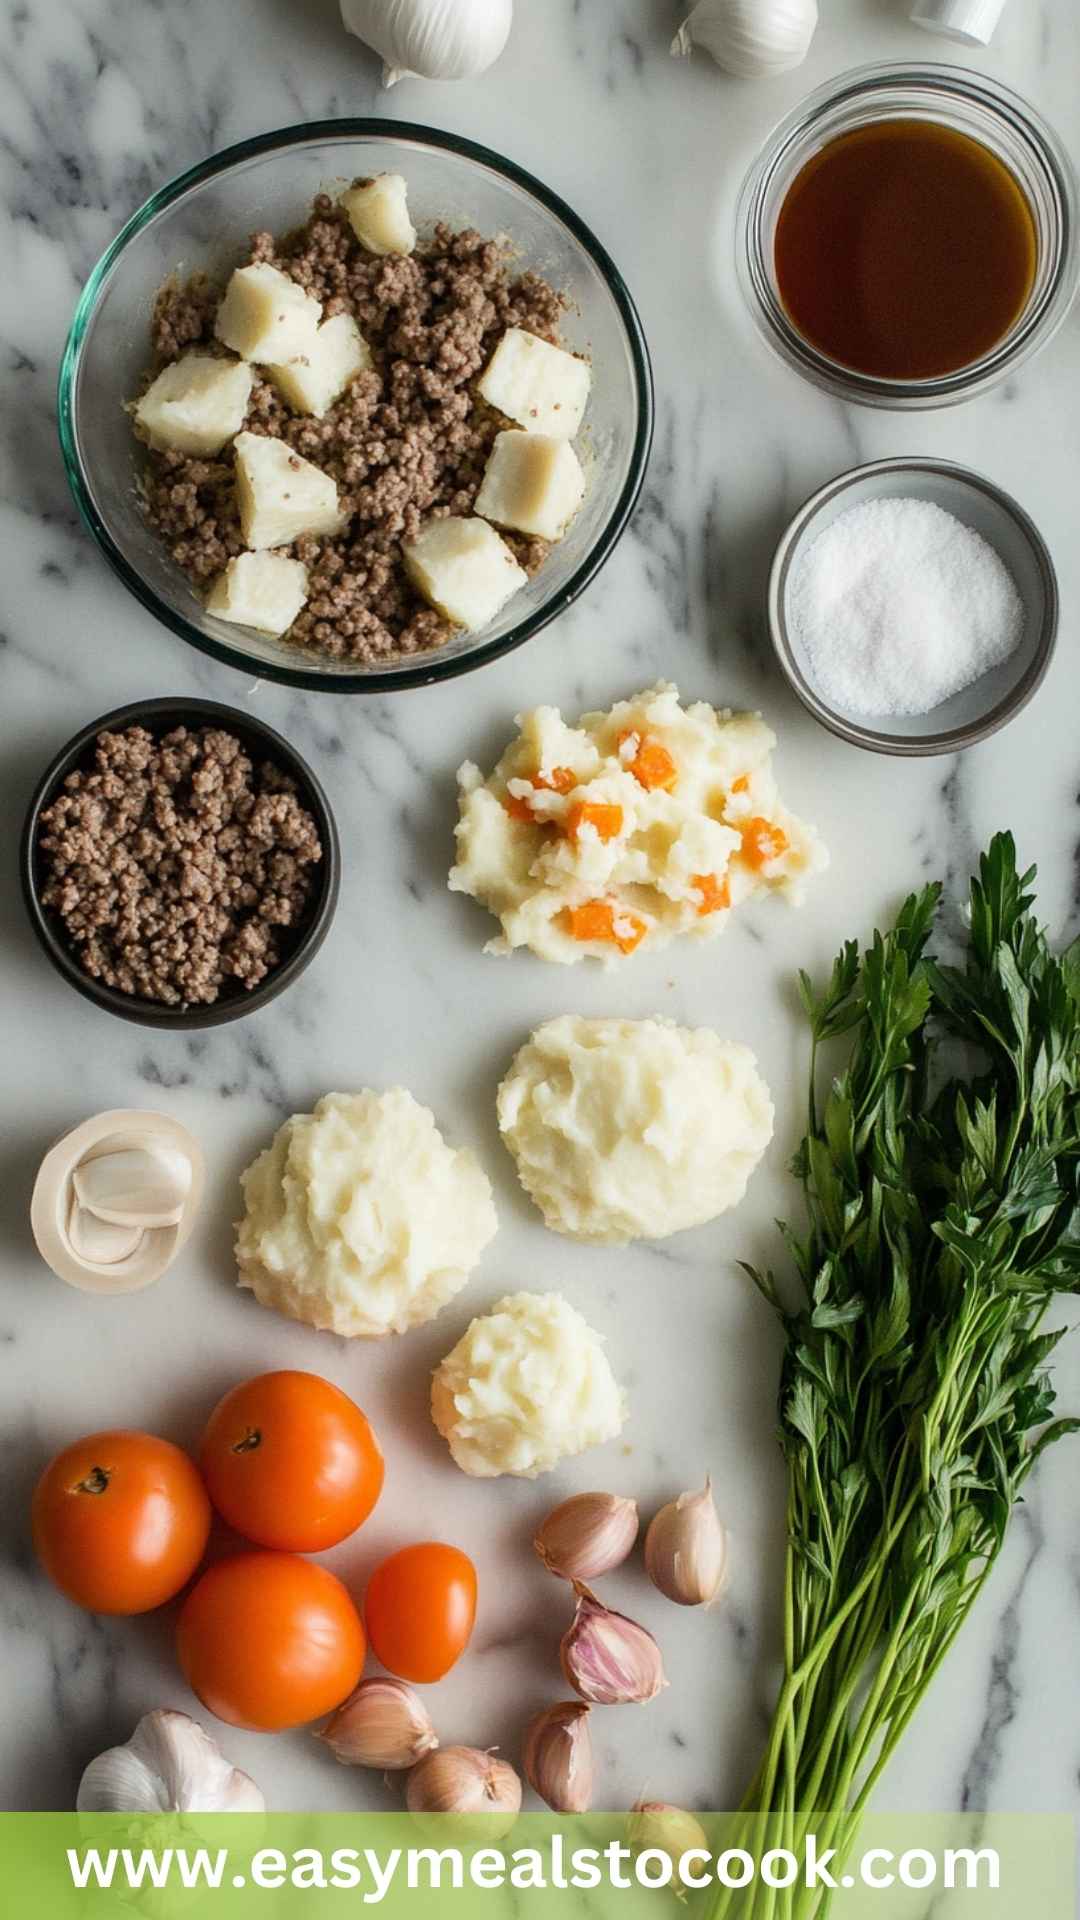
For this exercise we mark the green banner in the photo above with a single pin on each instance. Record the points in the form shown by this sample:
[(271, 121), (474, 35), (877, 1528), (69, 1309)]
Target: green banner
[(486, 1867)]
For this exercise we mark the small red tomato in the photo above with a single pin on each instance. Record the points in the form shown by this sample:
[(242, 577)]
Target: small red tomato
[(419, 1608), (291, 1462), (120, 1521), (268, 1640)]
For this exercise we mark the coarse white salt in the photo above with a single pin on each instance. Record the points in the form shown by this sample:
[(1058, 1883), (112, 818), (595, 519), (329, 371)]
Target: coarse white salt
[(897, 606)]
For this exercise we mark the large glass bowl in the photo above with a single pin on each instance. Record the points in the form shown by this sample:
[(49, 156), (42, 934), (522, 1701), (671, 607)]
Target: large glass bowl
[(969, 103), (202, 220)]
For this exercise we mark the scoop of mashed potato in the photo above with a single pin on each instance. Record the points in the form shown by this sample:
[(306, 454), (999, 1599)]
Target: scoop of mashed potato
[(628, 829), (360, 1219), (628, 1129), (527, 1385)]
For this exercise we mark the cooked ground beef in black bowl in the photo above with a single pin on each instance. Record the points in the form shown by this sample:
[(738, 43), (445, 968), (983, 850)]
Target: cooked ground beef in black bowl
[(180, 863)]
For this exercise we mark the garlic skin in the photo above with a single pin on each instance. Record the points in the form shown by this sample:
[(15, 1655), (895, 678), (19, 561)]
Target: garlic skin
[(558, 1758), (686, 1550), (169, 1765), (384, 1724), (655, 1824), (589, 1534), (609, 1659), (464, 1780), (750, 38), (431, 39)]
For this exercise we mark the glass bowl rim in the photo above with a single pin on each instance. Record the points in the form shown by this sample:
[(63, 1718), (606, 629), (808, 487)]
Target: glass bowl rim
[(1030, 334), (429, 668), (862, 733)]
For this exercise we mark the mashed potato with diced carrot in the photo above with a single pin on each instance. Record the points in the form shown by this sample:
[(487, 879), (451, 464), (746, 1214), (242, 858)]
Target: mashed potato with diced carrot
[(627, 1129), (634, 826)]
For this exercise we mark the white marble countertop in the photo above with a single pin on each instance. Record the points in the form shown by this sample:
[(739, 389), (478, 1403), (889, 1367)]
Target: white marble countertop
[(101, 101)]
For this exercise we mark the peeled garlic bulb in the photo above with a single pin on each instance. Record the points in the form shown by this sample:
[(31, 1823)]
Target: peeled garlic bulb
[(135, 1186), (170, 1765), (750, 37), (431, 39)]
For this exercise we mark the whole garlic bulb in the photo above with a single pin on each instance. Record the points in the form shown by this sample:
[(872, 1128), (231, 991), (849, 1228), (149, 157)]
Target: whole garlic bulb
[(750, 37), (170, 1765), (431, 39)]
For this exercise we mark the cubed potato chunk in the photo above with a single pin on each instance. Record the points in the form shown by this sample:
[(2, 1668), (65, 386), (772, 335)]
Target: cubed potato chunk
[(266, 317), (464, 569), (532, 482), (261, 590), (196, 404), (540, 386), (312, 381), (280, 494), (379, 214)]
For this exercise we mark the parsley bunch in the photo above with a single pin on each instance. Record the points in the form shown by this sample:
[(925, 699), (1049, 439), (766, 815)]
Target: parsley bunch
[(941, 1177)]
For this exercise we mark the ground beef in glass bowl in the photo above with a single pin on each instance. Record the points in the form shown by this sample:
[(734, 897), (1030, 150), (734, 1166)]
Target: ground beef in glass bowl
[(516, 255)]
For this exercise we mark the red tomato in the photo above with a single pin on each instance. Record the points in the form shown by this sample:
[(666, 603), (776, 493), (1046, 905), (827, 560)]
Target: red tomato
[(291, 1462), (268, 1640), (120, 1521), (419, 1608)]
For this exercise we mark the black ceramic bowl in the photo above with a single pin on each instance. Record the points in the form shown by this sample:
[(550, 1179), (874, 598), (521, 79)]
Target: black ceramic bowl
[(303, 942)]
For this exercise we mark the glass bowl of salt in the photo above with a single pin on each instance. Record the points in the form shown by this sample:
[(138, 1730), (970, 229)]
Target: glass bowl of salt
[(913, 606)]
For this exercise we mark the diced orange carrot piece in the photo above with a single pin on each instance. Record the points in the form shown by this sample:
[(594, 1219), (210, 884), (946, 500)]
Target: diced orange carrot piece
[(518, 808), (603, 920), (762, 842), (606, 820), (594, 920), (559, 780), (652, 765), (715, 893), (742, 784)]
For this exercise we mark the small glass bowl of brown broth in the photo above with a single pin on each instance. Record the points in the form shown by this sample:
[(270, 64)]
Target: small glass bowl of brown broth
[(909, 235)]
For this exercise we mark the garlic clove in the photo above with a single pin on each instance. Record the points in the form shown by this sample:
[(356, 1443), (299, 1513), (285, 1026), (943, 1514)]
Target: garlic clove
[(169, 1765), (686, 1549), (609, 1659), (587, 1535), (461, 1780), (135, 1186), (101, 1243), (655, 1826), (557, 1756), (383, 1724)]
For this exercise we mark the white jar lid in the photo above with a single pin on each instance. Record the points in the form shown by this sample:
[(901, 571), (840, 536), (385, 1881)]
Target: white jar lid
[(120, 1129), (971, 21)]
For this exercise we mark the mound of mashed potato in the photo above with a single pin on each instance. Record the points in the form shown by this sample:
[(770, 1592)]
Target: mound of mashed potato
[(628, 1129), (360, 1219), (527, 1385), (628, 829)]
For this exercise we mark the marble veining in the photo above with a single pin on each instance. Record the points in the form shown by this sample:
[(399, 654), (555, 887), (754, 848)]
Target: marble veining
[(102, 100)]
